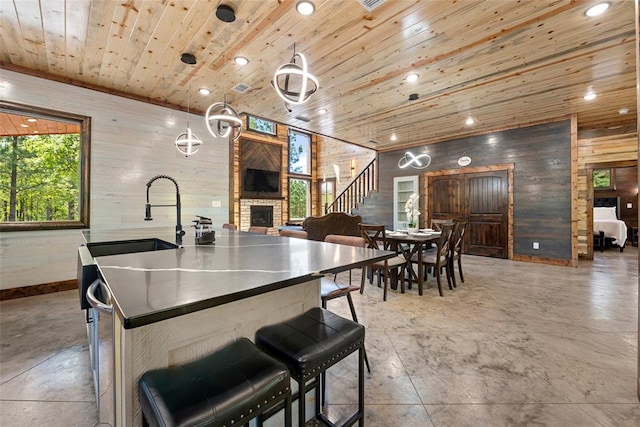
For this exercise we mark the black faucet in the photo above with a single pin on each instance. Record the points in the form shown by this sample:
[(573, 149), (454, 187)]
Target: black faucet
[(179, 232)]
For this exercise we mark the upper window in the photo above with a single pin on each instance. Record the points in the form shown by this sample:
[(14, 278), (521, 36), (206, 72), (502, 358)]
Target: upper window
[(299, 153), (604, 179), (44, 169)]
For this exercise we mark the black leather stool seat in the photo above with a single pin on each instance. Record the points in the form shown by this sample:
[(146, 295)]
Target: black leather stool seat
[(226, 388), (309, 344)]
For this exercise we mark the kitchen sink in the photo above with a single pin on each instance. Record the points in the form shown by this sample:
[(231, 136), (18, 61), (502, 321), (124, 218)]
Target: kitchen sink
[(88, 270), (128, 247)]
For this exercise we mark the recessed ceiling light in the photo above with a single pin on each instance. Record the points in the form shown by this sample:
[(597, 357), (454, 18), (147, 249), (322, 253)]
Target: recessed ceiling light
[(393, 137), (590, 96), (24, 125), (596, 10), (322, 111), (412, 77), (204, 91), (32, 120), (240, 60), (305, 8), (623, 111), (469, 121)]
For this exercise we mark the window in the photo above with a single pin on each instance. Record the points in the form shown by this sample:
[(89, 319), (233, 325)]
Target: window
[(44, 169), (604, 179), (299, 198), (261, 125), (299, 153)]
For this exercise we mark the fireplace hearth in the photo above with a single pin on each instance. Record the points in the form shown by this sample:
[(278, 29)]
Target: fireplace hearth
[(261, 216)]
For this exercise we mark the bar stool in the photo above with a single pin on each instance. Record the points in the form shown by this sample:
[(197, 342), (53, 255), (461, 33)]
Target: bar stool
[(226, 388), (308, 345)]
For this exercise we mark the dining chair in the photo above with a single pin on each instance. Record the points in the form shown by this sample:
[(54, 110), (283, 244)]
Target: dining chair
[(229, 226), (459, 231), (439, 259), (329, 289), (376, 239), (436, 224), (257, 230), (297, 234)]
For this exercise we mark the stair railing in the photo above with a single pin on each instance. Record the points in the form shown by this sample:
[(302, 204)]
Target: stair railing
[(361, 186)]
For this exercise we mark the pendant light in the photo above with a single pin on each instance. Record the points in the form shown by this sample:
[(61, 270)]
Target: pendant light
[(187, 142), (293, 82), (221, 118)]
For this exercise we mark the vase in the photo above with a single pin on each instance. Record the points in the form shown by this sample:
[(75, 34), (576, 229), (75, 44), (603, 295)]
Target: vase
[(412, 229)]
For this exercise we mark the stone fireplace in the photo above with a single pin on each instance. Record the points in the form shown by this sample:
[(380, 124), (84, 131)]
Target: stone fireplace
[(248, 205), (261, 216)]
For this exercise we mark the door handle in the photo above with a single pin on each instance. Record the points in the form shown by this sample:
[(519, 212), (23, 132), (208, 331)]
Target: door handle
[(94, 301)]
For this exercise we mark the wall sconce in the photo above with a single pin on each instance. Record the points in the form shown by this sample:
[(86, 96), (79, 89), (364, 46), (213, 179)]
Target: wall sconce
[(353, 167), (421, 161)]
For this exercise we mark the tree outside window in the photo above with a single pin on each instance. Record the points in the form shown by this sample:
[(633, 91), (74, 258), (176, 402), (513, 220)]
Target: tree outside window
[(42, 166), (299, 153), (299, 199)]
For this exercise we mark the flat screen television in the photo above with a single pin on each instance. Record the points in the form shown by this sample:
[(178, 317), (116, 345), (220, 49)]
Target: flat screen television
[(261, 181)]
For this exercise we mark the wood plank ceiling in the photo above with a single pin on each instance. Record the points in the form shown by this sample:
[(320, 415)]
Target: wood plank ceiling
[(503, 63)]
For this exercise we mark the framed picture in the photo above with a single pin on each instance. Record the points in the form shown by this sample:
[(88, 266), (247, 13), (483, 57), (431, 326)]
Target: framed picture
[(299, 153), (258, 124), (604, 179)]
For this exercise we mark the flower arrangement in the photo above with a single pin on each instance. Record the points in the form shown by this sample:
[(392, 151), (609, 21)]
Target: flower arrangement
[(411, 209)]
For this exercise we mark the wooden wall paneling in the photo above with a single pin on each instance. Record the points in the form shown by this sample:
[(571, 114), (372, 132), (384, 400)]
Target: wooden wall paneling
[(131, 143), (542, 197), (605, 149)]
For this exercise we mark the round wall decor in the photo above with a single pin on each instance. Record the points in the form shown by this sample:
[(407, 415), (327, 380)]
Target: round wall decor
[(464, 161)]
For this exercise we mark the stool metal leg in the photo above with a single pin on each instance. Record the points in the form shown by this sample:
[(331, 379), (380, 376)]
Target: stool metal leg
[(361, 385), (302, 401)]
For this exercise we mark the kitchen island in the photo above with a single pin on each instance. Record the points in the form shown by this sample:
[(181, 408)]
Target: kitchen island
[(176, 305)]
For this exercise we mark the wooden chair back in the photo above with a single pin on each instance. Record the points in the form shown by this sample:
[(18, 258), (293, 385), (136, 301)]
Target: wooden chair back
[(297, 234), (230, 226), (374, 235), (459, 232), (356, 241), (258, 230), (444, 243), (436, 224)]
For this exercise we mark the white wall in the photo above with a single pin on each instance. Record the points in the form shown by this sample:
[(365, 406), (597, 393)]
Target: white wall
[(131, 142)]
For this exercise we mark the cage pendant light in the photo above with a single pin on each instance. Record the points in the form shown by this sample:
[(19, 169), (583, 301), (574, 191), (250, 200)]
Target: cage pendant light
[(187, 142), (222, 119), (292, 81)]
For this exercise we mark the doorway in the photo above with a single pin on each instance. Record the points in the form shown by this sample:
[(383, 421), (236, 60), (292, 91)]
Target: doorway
[(481, 197), (624, 189)]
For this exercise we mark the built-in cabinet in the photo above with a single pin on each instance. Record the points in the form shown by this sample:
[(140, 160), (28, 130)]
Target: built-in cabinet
[(403, 187)]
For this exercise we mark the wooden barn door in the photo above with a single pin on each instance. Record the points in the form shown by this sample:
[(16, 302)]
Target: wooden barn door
[(481, 199)]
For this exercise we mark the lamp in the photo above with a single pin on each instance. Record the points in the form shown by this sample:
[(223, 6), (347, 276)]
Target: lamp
[(293, 82), (353, 167), (221, 119), (187, 142)]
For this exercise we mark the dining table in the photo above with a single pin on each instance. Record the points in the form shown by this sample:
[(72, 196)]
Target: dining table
[(411, 246)]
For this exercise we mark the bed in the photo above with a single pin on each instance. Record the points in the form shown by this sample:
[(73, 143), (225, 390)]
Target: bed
[(606, 225)]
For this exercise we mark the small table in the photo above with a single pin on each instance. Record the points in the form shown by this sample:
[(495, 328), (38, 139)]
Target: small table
[(414, 243)]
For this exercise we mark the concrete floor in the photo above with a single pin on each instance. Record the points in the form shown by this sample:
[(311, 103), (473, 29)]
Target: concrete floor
[(517, 344)]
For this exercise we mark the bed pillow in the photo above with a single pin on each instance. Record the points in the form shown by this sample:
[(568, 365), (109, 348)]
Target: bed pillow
[(604, 213)]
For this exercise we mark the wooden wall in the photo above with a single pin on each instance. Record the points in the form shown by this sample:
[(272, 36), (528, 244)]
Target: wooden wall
[(131, 142), (255, 139), (331, 151), (542, 206), (601, 150)]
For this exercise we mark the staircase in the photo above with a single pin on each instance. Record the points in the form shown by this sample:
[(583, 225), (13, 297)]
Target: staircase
[(362, 186)]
